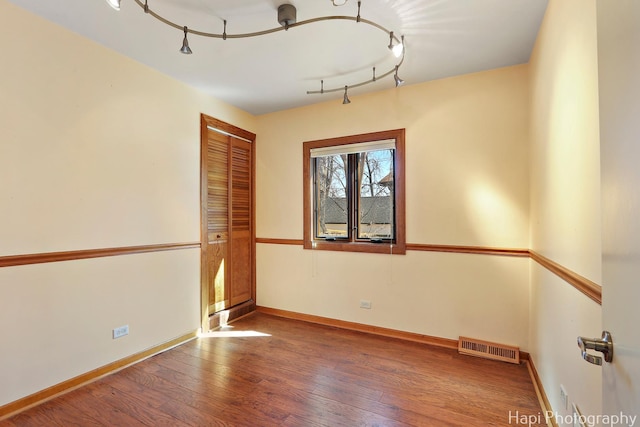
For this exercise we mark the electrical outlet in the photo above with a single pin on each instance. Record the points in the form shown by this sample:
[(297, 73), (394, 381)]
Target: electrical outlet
[(365, 304), (121, 331), (564, 397)]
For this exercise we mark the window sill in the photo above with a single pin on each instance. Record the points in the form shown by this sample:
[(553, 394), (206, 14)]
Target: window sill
[(365, 247)]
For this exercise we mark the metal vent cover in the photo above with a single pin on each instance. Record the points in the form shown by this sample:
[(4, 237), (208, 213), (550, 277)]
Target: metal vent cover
[(488, 350)]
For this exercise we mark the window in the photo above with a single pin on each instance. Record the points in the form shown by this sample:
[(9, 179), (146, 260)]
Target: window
[(354, 193)]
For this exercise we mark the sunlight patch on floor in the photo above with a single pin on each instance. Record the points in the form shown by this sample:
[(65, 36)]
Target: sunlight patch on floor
[(229, 333)]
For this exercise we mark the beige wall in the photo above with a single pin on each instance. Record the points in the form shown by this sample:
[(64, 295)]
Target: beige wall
[(96, 151), (467, 184), (565, 198)]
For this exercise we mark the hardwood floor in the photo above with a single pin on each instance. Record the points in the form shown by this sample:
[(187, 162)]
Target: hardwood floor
[(299, 374)]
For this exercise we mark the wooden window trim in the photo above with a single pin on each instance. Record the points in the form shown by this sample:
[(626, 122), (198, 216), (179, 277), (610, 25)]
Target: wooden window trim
[(399, 247)]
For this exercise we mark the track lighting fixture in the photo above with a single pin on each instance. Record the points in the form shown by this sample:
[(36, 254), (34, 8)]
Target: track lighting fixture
[(287, 20), (345, 99), (185, 44)]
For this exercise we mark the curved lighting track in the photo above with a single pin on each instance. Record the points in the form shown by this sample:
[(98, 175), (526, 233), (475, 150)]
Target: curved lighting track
[(286, 26)]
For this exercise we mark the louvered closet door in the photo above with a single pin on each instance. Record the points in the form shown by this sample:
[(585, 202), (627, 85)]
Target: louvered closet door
[(241, 249), (229, 250), (217, 250)]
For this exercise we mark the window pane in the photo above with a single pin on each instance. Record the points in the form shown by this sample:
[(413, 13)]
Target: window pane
[(376, 182), (331, 196)]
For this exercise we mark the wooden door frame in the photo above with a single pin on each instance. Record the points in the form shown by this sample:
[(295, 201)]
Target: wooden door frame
[(211, 320)]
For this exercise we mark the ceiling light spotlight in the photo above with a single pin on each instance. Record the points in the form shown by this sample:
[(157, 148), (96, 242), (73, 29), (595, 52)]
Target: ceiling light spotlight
[(399, 48), (338, 2), (345, 99), (399, 81), (185, 44), (114, 4)]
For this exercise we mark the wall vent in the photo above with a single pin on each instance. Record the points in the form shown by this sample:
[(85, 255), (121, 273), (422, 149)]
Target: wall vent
[(488, 350)]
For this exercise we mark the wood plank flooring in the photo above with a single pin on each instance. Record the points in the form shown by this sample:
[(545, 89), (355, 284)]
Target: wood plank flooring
[(298, 374)]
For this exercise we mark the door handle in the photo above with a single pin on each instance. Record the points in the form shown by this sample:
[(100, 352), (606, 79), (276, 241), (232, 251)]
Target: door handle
[(604, 345)]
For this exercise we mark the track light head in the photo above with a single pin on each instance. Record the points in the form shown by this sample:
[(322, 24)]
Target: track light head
[(345, 99), (398, 80), (398, 48), (185, 44), (114, 4)]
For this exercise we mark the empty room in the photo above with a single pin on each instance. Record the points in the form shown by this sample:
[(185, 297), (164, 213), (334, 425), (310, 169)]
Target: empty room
[(319, 213)]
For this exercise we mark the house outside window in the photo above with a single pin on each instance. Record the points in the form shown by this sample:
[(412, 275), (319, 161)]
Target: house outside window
[(354, 193)]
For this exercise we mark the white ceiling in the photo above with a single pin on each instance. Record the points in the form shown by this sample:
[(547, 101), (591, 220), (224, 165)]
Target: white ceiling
[(443, 38)]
